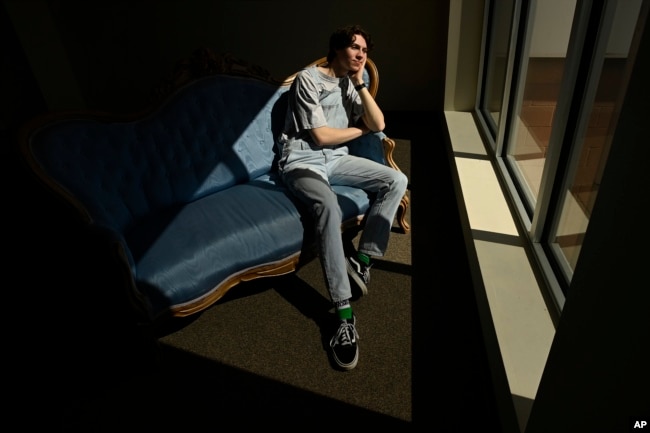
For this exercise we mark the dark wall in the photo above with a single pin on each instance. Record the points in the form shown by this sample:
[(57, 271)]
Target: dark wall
[(110, 54), (20, 95)]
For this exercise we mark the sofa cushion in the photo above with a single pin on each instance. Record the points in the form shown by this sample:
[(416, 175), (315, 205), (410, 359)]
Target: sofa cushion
[(184, 254)]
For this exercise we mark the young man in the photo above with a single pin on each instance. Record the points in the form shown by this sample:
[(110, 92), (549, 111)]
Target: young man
[(329, 106)]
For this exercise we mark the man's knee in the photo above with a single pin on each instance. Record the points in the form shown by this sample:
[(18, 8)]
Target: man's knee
[(401, 182)]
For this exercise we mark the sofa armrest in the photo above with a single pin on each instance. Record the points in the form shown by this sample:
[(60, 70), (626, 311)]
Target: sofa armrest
[(370, 146), (375, 146)]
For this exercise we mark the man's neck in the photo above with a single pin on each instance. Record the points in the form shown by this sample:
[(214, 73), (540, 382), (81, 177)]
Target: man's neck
[(334, 70)]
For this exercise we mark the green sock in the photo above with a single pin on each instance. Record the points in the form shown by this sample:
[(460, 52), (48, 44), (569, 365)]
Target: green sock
[(343, 309), (364, 258), (345, 313)]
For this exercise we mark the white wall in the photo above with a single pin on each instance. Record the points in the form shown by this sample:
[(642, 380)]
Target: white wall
[(554, 19)]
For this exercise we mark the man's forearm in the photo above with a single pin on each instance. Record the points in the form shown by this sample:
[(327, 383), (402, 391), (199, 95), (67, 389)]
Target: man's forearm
[(326, 136), (372, 116)]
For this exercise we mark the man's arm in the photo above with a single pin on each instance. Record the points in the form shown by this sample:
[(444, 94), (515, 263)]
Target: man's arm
[(327, 136), (373, 117), (371, 120)]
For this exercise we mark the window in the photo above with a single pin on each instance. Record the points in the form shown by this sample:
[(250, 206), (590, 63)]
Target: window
[(501, 15), (551, 85)]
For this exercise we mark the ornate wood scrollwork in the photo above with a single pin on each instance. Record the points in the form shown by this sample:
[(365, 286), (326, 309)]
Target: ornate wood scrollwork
[(205, 62)]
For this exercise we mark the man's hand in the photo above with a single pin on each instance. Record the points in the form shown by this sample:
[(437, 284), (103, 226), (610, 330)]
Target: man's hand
[(357, 76)]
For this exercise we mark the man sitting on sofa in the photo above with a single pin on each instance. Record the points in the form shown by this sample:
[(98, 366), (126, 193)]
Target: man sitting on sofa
[(329, 105)]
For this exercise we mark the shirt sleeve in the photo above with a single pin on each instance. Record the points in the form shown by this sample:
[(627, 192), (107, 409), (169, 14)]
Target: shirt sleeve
[(307, 110)]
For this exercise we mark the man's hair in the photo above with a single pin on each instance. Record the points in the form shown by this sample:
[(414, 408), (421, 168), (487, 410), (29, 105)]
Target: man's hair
[(344, 37)]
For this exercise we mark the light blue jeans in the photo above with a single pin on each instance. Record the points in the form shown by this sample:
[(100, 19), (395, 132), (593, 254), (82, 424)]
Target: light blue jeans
[(309, 173)]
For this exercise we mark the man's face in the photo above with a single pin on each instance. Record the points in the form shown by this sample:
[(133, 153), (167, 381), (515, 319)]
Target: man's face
[(352, 57)]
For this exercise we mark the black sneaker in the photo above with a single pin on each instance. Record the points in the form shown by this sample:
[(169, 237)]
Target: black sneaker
[(359, 272), (344, 344)]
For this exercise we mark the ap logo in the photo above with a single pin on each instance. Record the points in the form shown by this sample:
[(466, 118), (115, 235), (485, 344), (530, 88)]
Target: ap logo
[(640, 424)]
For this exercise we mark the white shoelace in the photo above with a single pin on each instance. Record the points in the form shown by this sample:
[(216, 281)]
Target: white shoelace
[(345, 336)]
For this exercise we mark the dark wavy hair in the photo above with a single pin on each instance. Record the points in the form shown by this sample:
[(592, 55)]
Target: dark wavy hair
[(344, 37)]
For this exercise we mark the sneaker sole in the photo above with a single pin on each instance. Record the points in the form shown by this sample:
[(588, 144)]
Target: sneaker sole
[(357, 279), (349, 366)]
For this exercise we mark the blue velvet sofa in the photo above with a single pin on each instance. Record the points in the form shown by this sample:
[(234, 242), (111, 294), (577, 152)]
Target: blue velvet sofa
[(186, 195)]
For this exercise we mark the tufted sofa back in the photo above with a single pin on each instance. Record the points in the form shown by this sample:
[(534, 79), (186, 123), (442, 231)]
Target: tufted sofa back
[(209, 135)]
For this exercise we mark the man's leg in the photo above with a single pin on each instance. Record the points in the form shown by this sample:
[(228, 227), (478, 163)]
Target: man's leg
[(389, 185), (317, 194), (311, 189)]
